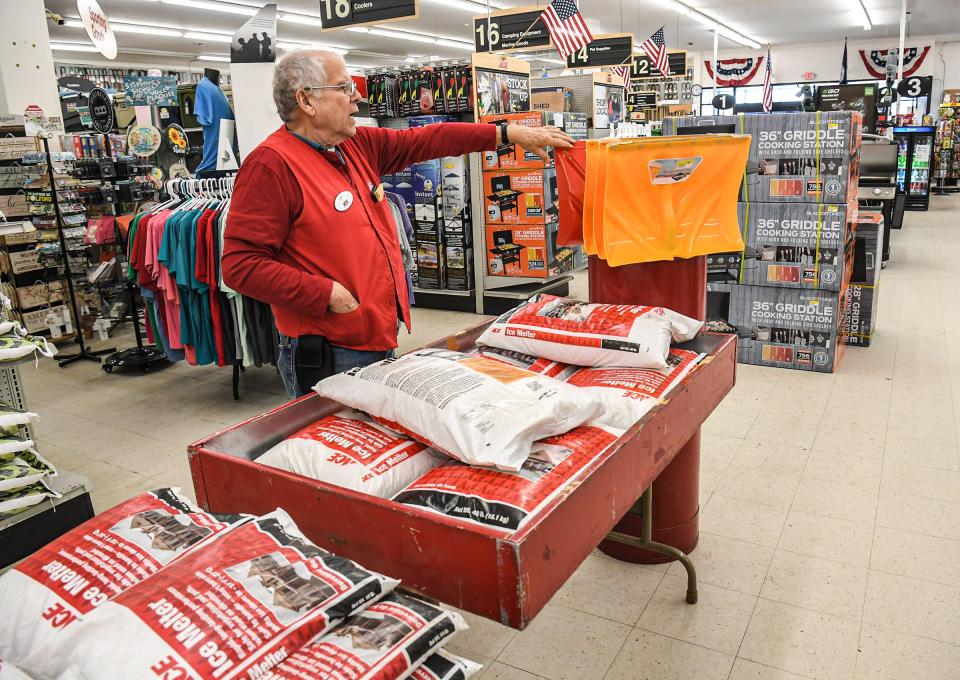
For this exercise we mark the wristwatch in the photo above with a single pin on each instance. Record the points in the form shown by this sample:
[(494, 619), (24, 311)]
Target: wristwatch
[(503, 133)]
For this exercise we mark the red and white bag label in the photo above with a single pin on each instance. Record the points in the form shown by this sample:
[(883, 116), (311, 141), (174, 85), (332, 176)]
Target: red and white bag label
[(502, 499), (349, 450), (627, 394), (589, 334), (475, 409), (44, 595), (235, 608), (385, 641), (445, 666)]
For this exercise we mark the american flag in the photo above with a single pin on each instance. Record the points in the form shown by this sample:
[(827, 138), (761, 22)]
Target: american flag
[(567, 26), (656, 48), (768, 86), (623, 72)]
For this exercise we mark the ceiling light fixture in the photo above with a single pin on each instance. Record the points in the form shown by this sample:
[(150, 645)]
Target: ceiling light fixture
[(359, 29), (288, 45), (227, 8), (72, 47), (455, 44), (467, 5), (209, 37), (301, 19), (212, 57), (400, 35), (713, 24), (864, 16)]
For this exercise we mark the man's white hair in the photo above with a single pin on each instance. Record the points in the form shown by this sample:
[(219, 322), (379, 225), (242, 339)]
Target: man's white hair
[(297, 70)]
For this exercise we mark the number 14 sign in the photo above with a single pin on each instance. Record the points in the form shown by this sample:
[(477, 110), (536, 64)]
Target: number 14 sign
[(338, 14)]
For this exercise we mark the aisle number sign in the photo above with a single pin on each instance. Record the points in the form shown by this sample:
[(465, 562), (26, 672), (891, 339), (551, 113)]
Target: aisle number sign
[(643, 66), (514, 29), (603, 50), (339, 14)]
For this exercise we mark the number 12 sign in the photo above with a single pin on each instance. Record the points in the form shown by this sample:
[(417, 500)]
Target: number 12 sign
[(338, 14)]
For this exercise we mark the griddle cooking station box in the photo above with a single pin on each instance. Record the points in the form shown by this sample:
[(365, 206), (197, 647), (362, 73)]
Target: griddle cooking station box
[(507, 577)]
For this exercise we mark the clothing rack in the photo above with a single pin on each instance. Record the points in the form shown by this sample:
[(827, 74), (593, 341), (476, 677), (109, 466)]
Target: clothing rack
[(228, 329)]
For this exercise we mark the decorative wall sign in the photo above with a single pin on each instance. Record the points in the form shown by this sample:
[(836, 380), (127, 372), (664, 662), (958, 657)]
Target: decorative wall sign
[(734, 72), (101, 110), (143, 140), (150, 90), (177, 139)]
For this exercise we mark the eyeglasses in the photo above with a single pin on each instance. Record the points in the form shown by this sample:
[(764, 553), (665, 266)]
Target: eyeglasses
[(348, 87)]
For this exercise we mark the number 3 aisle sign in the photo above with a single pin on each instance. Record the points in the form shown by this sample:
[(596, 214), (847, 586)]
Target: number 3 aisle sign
[(337, 14)]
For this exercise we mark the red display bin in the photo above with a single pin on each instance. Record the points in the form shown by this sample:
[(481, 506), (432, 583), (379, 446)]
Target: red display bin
[(507, 577)]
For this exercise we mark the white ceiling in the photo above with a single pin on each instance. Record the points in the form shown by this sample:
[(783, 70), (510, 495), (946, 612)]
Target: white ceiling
[(775, 21)]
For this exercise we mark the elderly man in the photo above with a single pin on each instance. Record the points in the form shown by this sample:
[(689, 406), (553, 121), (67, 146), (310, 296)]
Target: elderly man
[(309, 231)]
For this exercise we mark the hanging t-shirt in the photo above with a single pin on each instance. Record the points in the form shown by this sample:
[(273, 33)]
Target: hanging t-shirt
[(210, 108)]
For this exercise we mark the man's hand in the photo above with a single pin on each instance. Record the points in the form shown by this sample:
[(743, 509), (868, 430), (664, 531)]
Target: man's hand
[(537, 139), (341, 300)]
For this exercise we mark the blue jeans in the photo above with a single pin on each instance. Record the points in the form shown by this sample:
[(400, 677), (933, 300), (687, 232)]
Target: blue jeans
[(343, 360)]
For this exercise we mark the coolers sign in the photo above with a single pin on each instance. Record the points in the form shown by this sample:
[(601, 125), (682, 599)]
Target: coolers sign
[(336, 14), (875, 61), (98, 28), (734, 72)]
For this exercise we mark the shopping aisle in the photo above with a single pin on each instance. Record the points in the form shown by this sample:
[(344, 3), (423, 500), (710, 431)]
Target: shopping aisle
[(830, 543)]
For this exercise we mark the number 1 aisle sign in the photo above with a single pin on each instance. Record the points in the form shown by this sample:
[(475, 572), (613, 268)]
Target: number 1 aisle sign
[(337, 14)]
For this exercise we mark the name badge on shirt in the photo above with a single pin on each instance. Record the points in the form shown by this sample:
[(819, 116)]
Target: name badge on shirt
[(343, 201)]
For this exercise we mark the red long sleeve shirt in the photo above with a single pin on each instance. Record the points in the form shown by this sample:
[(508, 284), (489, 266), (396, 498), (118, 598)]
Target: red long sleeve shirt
[(286, 242)]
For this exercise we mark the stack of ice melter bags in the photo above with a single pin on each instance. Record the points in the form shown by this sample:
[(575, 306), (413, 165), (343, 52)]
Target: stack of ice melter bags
[(437, 194), (785, 294), (520, 203), (864, 289)]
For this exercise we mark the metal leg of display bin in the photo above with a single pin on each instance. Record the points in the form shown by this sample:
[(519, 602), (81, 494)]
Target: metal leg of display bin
[(646, 509)]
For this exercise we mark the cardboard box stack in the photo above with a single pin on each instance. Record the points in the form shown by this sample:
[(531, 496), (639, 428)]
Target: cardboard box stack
[(786, 293), (862, 295), (520, 203)]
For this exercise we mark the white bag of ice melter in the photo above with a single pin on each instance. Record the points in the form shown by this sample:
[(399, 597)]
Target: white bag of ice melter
[(349, 450), (45, 595), (506, 500), (627, 394), (10, 672), (385, 641), (589, 334), (475, 409), (234, 608), (445, 666)]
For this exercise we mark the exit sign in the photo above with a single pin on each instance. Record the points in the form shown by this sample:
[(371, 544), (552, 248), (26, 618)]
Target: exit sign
[(809, 75)]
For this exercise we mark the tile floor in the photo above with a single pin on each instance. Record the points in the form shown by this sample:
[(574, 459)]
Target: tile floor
[(830, 544)]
